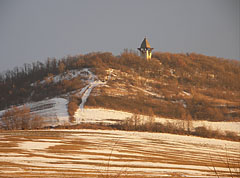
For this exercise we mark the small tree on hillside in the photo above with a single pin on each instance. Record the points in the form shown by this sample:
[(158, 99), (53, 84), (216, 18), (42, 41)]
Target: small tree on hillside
[(186, 122), (61, 67), (189, 122), (136, 121), (73, 105)]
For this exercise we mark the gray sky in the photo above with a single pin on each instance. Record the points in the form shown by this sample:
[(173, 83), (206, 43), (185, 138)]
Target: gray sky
[(32, 30)]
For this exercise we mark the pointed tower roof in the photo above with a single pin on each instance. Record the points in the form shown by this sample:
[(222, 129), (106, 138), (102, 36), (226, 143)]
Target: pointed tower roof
[(145, 44)]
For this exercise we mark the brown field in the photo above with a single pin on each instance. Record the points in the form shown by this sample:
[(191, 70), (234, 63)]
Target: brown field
[(108, 153)]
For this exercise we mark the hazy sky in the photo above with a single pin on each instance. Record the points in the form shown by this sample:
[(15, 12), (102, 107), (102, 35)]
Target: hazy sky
[(32, 30)]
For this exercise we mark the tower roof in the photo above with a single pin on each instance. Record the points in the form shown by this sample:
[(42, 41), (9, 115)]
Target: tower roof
[(145, 44)]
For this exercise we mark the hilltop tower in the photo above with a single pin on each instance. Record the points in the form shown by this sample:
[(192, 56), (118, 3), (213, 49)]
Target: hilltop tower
[(145, 49)]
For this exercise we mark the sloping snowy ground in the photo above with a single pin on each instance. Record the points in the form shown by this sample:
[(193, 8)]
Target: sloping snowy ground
[(92, 153), (56, 114), (100, 115), (64, 76), (92, 82), (53, 110)]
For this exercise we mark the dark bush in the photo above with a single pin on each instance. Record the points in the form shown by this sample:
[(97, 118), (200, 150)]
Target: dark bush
[(202, 132), (73, 105)]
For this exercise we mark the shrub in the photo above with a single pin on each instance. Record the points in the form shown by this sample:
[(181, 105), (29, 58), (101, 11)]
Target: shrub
[(20, 118), (73, 105), (201, 131), (232, 135), (91, 101)]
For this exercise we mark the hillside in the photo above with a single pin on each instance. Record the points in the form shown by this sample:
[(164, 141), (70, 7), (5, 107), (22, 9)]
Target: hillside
[(169, 85)]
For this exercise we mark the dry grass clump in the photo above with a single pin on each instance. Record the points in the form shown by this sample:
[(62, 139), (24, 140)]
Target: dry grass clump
[(21, 118), (73, 105)]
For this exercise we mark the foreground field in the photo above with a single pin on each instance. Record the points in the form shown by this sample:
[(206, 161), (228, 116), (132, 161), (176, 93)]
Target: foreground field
[(109, 153)]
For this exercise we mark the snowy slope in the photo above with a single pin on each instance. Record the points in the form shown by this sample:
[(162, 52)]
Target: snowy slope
[(92, 82), (100, 115), (53, 110)]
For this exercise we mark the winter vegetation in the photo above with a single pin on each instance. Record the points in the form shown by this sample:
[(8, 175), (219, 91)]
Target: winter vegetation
[(21, 119), (171, 101), (169, 85)]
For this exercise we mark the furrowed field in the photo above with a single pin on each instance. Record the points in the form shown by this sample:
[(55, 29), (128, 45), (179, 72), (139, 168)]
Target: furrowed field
[(110, 153)]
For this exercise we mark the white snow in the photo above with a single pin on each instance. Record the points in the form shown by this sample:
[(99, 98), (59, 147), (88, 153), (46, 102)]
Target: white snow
[(221, 126), (86, 91), (30, 145), (53, 110), (186, 93), (101, 115)]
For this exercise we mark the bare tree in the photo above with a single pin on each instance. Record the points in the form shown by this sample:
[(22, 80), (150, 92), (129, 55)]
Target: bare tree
[(20, 118)]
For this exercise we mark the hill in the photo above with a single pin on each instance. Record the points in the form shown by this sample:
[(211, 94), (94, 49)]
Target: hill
[(169, 85)]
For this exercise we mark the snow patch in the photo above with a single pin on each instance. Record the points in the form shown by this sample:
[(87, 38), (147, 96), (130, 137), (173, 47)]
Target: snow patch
[(30, 146), (85, 93), (53, 110), (64, 76), (101, 115), (186, 93)]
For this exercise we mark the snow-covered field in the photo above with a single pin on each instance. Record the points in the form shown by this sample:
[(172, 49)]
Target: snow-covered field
[(93, 153), (96, 115), (100, 115)]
